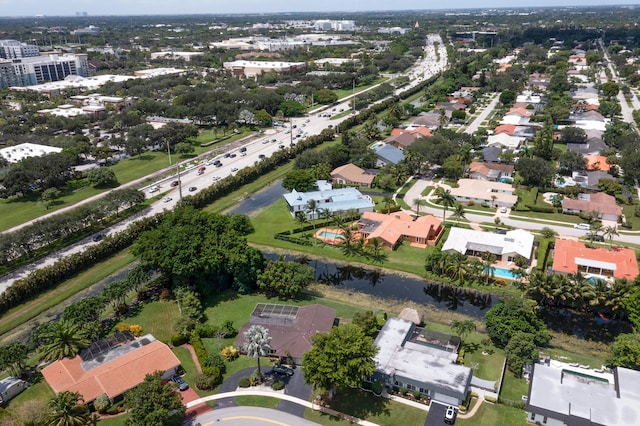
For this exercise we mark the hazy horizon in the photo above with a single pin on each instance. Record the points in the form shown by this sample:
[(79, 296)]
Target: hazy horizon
[(30, 8)]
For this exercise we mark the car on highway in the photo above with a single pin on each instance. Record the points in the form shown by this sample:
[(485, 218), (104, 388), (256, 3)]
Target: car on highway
[(262, 156), (218, 164), (182, 385), (274, 140), (192, 188), (167, 199), (233, 155), (175, 183), (154, 188), (99, 236), (282, 370), (201, 170), (215, 178), (583, 226), (265, 141), (234, 169)]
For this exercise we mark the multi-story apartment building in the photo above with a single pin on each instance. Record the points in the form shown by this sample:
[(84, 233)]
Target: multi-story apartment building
[(13, 49)]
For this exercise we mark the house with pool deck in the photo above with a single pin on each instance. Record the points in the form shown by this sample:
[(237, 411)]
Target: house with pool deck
[(506, 247), (421, 360), (333, 200), (571, 257), (392, 229)]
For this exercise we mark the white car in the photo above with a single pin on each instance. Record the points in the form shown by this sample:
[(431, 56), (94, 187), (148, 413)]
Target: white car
[(154, 188), (583, 226), (167, 199), (234, 169), (503, 210)]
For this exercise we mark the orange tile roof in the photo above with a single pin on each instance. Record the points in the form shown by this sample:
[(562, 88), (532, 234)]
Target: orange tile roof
[(567, 251), (505, 128), (112, 377), (423, 131), (598, 202), (393, 226), (597, 162), (520, 111)]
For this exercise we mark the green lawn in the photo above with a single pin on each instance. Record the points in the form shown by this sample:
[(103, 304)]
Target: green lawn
[(257, 401), (513, 387), (324, 419), (495, 414), (156, 318)]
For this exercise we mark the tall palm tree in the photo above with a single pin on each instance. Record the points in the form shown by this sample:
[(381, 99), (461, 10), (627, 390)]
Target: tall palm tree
[(418, 202), (609, 232), (312, 207), (257, 343), (63, 339), (67, 410), (388, 202), (457, 267), (326, 214), (488, 270), (301, 219), (444, 197)]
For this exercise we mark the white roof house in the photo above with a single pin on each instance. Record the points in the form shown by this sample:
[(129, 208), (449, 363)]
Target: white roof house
[(505, 140), (505, 246), (483, 191), (342, 199), (16, 153), (406, 358), (561, 393)]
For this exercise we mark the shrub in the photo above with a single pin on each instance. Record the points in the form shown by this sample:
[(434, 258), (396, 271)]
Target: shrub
[(490, 399), (198, 346), (205, 382), (229, 353), (416, 394), (215, 360), (277, 385), (102, 403), (135, 329), (254, 379), (484, 204), (404, 391), (165, 294), (121, 326), (460, 359), (377, 387), (213, 372), (244, 382), (471, 203), (178, 340)]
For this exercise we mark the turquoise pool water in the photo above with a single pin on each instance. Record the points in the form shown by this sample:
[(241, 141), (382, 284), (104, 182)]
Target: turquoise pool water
[(504, 273), (329, 234)]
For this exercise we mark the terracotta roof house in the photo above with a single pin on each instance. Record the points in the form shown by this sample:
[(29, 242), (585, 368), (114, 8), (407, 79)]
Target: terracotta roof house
[(505, 128), (475, 243), (570, 257), (598, 162), (290, 327), (418, 131), (350, 174), (601, 203), (497, 194), (421, 360), (111, 372), (490, 171), (567, 394), (388, 154), (392, 229)]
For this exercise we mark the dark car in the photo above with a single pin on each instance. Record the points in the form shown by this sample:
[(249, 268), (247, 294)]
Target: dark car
[(243, 149), (182, 385), (175, 183), (595, 238), (282, 370), (227, 155), (261, 156), (98, 237), (192, 188)]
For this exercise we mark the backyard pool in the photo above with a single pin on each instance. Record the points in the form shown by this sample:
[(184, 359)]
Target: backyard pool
[(330, 234), (504, 273)]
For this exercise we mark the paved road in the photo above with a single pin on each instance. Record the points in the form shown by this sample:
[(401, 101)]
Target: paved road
[(250, 416), (627, 112), (475, 124)]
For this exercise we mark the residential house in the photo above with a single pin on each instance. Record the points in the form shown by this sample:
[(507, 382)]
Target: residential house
[(567, 394), (350, 174), (334, 200), (392, 229), (432, 119), (505, 128), (111, 366), (517, 116), (421, 360), (506, 141), (601, 203), (589, 179), (491, 154), (593, 147), (491, 171), (10, 387), (539, 81), (506, 247), (598, 162), (497, 194), (571, 257), (401, 140), (388, 154), (290, 327)]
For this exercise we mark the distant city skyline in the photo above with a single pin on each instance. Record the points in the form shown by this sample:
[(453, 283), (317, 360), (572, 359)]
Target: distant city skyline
[(27, 8)]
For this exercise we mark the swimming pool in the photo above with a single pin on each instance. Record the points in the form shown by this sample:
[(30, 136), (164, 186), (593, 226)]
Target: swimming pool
[(329, 234), (504, 273)]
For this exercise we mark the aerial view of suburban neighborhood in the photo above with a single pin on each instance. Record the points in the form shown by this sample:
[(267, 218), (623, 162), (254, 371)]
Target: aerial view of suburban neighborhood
[(375, 215)]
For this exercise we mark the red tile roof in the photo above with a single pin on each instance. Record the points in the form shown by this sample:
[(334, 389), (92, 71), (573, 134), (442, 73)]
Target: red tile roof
[(112, 377), (598, 202), (393, 226), (567, 251), (505, 128)]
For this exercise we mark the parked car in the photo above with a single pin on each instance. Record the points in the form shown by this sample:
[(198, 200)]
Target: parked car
[(192, 188), (503, 210), (450, 415), (182, 385), (282, 370), (594, 237), (175, 183)]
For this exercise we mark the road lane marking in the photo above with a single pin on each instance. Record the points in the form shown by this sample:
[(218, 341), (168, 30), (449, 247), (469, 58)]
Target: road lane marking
[(275, 422)]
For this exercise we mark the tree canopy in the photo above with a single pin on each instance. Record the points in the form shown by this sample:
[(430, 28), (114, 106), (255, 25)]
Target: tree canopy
[(504, 320), (284, 279), (153, 403)]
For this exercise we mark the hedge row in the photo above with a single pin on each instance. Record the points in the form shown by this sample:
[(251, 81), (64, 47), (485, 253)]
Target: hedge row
[(543, 253)]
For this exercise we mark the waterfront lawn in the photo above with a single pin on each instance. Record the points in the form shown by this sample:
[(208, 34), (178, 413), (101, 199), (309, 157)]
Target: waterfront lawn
[(495, 414), (157, 318)]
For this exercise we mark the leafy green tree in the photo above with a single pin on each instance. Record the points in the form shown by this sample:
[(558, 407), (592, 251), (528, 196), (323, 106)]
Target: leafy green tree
[(325, 96), (49, 196), (14, 357), (102, 177), (300, 180), (184, 148), (631, 305), (263, 118), (62, 340), (367, 321), (153, 403), (189, 304), (572, 134), (571, 161), (625, 351), (463, 327), (343, 357), (507, 97), (291, 108), (452, 167), (257, 343), (535, 171), (67, 410), (519, 351), (505, 319), (610, 89), (284, 279)]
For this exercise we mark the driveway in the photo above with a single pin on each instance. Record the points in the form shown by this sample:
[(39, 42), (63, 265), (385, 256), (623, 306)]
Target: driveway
[(436, 415)]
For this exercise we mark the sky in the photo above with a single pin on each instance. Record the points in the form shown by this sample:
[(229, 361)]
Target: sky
[(181, 7)]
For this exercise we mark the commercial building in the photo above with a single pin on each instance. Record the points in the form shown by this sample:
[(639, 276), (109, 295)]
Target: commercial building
[(252, 69), (40, 69), (13, 49), (16, 153), (421, 360)]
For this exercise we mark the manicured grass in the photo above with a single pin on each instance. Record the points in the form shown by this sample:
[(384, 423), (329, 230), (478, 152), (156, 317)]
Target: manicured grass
[(115, 421), (348, 92), (21, 314), (513, 387), (495, 414), (39, 391), (156, 318), (324, 419), (257, 401), (382, 411)]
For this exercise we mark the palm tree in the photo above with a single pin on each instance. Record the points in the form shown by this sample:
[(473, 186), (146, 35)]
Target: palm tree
[(388, 202), (63, 339), (465, 156), (609, 232), (488, 269), (326, 214), (458, 212), (457, 267), (493, 200), (312, 207), (444, 197), (418, 202), (301, 219), (257, 343), (463, 328), (67, 410)]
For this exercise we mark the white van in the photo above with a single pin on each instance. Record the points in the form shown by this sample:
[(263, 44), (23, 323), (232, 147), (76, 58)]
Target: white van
[(583, 226)]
